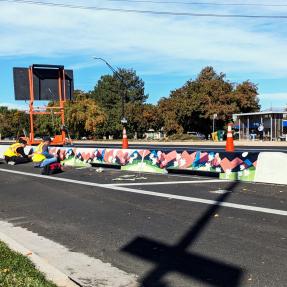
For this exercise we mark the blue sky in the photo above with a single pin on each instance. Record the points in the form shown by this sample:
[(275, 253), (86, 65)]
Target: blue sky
[(165, 50)]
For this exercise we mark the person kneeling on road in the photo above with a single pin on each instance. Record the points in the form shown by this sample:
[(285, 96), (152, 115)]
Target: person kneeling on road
[(41, 156), (15, 154)]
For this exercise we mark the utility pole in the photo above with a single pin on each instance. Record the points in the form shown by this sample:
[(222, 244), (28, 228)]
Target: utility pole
[(124, 85)]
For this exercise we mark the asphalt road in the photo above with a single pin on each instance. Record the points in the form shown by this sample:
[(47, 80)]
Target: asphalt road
[(170, 230)]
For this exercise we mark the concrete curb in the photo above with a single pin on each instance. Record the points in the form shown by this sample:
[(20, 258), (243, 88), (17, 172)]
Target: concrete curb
[(51, 273)]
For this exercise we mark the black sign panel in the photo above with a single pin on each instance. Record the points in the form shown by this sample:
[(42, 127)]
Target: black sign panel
[(21, 84), (45, 81)]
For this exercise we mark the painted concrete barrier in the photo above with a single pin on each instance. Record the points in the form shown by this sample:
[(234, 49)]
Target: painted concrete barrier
[(272, 168), (247, 166)]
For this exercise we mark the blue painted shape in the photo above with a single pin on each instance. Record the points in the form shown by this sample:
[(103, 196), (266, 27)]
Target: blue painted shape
[(248, 162)]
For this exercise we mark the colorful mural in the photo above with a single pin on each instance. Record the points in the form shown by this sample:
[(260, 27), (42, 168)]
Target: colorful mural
[(267, 167), (241, 166)]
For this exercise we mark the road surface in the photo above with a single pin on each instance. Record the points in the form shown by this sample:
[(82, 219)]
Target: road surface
[(170, 230)]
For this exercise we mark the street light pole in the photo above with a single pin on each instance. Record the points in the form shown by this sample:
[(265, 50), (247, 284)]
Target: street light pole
[(213, 122), (123, 84)]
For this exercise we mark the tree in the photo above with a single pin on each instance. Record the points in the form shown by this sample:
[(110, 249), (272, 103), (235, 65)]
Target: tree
[(246, 97), (108, 93), (142, 117), (152, 117), (13, 122), (168, 109), (191, 107), (134, 114), (109, 89), (4, 127), (83, 115)]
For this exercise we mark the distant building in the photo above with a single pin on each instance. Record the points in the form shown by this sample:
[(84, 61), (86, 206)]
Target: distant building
[(273, 120)]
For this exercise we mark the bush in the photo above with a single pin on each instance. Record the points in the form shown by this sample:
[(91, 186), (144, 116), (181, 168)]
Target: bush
[(183, 137)]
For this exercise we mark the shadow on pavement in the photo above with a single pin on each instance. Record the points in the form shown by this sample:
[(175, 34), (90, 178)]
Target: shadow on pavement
[(176, 259)]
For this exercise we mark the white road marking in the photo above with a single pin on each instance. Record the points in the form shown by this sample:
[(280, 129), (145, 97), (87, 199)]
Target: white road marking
[(157, 194), (180, 175), (201, 200), (220, 191), (168, 182)]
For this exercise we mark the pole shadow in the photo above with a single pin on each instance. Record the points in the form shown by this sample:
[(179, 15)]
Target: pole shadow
[(176, 259)]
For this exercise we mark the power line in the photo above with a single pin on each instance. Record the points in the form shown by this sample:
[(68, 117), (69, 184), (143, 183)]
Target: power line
[(201, 3), (154, 12)]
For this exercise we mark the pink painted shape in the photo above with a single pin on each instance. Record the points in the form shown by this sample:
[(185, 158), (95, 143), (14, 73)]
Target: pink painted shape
[(227, 164), (108, 154), (216, 160), (86, 155), (122, 156), (189, 159), (168, 157), (144, 152), (203, 157)]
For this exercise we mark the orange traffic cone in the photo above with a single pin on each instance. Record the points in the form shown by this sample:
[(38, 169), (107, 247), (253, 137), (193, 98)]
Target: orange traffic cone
[(125, 143), (229, 139)]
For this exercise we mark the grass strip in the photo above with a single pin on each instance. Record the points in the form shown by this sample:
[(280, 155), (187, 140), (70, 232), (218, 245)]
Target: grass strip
[(17, 270)]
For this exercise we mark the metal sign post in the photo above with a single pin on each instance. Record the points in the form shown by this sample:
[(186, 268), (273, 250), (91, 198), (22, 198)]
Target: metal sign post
[(56, 110)]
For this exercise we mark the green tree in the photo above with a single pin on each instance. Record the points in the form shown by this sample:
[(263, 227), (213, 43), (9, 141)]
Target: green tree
[(109, 89), (141, 118), (109, 93), (245, 95), (83, 115), (13, 122), (168, 109), (191, 107), (152, 117)]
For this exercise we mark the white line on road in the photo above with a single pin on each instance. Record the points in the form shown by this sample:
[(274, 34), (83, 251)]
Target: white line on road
[(168, 182), (202, 200), (157, 194)]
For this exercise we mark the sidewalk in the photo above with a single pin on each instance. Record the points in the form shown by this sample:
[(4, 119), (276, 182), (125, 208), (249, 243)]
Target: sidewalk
[(64, 267)]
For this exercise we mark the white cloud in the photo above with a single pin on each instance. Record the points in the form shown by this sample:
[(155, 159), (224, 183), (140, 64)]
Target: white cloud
[(156, 44)]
